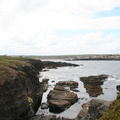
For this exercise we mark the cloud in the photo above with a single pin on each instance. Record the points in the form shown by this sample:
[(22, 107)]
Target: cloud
[(60, 14), (28, 26), (47, 43)]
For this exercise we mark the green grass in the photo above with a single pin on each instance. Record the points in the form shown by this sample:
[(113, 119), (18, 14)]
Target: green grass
[(114, 111), (7, 65), (8, 60)]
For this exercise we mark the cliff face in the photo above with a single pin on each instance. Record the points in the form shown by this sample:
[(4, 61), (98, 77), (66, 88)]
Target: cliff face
[(20, 89)]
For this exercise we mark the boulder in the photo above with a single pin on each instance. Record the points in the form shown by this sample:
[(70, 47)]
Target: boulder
[(118, 87), (93, 110), (59, 88), (44, 106), (93, 84), (45, 84), (60, 99), (71, 84)]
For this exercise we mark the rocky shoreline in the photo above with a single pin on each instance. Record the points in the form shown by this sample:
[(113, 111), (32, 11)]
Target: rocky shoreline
[(22, 93)]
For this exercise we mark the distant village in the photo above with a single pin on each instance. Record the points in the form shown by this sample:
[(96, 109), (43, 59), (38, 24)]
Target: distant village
[(97, 57), (81, 57)]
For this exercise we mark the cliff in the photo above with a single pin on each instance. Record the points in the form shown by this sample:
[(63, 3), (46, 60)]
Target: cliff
[(20, 89)]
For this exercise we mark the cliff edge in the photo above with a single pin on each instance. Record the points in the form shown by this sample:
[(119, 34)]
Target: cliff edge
[(20, 89)]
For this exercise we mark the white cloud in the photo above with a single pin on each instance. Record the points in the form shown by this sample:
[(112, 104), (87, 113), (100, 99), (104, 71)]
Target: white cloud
[(27, 26), (46, 43), (57, 14)]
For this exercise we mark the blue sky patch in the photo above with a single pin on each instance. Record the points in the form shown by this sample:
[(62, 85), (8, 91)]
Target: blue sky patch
[(72, 33), (108, 13)]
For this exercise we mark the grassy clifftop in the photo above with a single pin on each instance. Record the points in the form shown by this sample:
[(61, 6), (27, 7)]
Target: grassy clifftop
[(6, 65), (20, 89)]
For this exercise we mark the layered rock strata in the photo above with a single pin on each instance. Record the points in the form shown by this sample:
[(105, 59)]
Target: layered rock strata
[(93, 84), (20, 89), (60, 99)]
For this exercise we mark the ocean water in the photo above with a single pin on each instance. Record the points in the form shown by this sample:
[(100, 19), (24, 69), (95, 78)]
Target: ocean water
[(86, 68)]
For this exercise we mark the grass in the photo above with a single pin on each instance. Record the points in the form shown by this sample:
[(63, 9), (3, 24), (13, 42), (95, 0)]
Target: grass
[(8, 60), (114, 110), (7, 63)]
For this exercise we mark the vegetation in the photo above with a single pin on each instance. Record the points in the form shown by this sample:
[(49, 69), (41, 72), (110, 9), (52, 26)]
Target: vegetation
[(7, 64), (8, 59), (30, 100), (114, 111)]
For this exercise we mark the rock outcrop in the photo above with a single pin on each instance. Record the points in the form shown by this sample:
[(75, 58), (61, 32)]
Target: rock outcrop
[(60, 99), (118, 87), (20, 89), (51, 64), (70, 84), (93, 110), (93, 84)]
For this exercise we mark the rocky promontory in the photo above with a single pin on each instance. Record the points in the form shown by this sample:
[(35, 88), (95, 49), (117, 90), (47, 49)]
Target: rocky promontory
[(51, 64)]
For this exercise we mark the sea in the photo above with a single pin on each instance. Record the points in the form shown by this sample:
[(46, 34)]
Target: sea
[(85, 68)]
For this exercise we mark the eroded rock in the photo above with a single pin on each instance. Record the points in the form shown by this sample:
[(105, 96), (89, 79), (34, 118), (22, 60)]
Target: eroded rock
[(71, 84), (93, 110), (21, 91), (60, 99), (93, 84), (59, 88)]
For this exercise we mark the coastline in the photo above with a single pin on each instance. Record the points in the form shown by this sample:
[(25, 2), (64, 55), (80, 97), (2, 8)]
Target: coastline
[(28, 72)]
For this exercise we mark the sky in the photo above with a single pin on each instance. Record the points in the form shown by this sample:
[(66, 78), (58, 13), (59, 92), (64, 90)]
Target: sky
[(59, 27)]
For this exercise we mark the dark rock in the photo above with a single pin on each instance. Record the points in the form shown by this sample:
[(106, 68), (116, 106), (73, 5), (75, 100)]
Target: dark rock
[(93, 110), (21, 91), (74, 90), (38, 64), (60, 99), (118, 87), (71, 84), (45, 80), (93, 84), (42, 117), (44, 106), (45, 70), (49, 117), (51, 64), (45, 84), (53, 81), (59, 88)]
